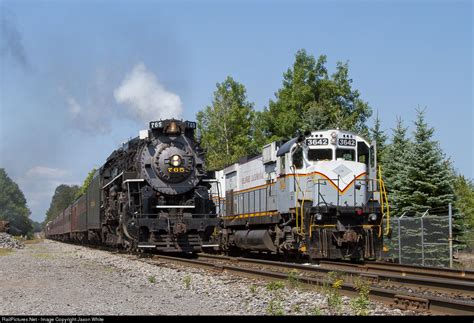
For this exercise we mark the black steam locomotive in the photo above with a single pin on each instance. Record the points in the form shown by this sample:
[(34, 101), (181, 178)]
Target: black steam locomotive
[(150, 193)]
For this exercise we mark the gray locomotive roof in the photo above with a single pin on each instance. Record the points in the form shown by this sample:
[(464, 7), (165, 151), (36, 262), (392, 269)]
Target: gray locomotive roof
[(286, 147)]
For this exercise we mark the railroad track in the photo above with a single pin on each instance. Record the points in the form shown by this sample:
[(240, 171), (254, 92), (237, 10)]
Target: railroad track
[(405, 288)]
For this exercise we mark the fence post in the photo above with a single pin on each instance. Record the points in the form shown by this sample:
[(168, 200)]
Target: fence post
[(422, 240), (399, 241), (450, 238)]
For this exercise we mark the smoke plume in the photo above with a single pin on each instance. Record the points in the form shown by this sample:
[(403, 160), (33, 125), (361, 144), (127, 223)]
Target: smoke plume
[(11, 42), (145, 98)]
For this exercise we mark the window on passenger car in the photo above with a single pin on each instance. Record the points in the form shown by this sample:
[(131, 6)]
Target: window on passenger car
[(346, 154), (319, 154)]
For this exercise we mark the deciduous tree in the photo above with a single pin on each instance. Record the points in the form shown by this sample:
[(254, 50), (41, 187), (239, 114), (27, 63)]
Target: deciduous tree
[(63, 196), (227, 125), (311, 99), (13, 206)]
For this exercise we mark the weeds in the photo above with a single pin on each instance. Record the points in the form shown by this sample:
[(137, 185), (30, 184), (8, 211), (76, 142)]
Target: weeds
[(253, 289), (275, 306), (333, 295), (187, 281), (360, 304), (315, 311), (295, 308), (293, 279), (275, 286), (152, 279)]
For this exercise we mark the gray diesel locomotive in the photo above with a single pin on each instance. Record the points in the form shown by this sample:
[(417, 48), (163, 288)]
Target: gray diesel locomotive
[(316, 195), (149, 194)]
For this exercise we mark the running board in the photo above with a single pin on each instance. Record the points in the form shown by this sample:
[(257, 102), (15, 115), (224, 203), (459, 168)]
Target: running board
[(175, 206)]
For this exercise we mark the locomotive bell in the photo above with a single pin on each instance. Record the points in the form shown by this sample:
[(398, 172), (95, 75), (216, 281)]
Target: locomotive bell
[(172, 128)]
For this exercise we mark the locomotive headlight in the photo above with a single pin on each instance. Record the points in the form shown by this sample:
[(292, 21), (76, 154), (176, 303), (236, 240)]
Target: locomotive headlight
[(175, 161), (319, 217), (334, 135), (372, 217)]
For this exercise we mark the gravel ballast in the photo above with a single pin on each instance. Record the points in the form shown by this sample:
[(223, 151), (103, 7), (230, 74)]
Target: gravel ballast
[(8, 242), (53, 278)]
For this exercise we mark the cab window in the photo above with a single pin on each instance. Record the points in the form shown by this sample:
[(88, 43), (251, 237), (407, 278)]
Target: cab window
[(297, 158), (363, 152), (319, 154), (345, 154)]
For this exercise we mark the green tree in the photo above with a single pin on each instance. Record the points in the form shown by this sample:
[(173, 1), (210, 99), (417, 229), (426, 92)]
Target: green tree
[(393, 166), (427, 180), (86, 183), (226, 126), (377, 134), (464, 224), (311, 99), (13, 206), (63, 196)]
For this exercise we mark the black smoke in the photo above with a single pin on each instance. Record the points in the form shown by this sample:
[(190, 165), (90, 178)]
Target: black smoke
[(11, 40)]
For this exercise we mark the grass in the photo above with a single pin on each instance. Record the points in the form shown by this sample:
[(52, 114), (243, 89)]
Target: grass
[(43, 256), (33, 241), (187, 281), (5, 252), (152, 279)]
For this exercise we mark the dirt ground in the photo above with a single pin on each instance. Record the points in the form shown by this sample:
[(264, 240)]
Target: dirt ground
[(464, 260)]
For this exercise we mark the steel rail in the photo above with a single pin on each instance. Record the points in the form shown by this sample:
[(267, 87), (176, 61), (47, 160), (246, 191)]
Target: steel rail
[(395, 298), (460, 274), (463, 284)]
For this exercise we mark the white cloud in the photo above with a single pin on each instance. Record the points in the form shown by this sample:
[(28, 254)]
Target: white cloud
[(146, 98), (74, 107)]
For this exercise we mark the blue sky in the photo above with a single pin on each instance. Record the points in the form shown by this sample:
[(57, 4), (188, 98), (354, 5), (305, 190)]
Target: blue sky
[(65, 64)]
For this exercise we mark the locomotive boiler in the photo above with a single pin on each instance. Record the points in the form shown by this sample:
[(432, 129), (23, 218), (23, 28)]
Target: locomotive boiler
[(149, 194)]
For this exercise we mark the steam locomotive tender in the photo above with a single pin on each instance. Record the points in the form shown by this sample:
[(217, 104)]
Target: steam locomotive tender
[(316, 195), (149, 193)]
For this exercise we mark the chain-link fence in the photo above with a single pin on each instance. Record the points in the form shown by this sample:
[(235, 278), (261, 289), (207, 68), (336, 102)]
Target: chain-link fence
[(420, 240)]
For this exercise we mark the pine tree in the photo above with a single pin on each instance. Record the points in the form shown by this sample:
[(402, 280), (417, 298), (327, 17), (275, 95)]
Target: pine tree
[(427, 181), (394, 163), (377, 134), (464, 223)]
